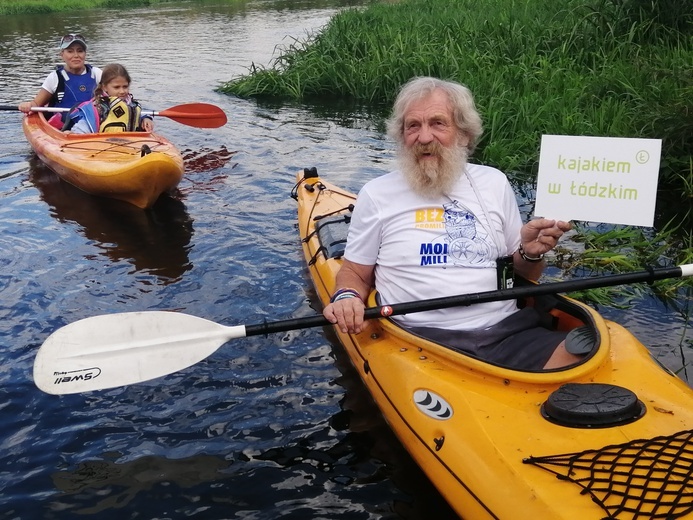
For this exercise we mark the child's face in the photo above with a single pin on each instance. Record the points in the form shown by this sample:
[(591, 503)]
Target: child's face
[(117, 87)]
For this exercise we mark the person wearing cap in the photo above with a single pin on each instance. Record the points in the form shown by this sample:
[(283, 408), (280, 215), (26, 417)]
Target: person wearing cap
[(69, 84)]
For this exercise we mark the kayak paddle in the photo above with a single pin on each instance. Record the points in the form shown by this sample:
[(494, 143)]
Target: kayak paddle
[(125, 348), (200, 115)]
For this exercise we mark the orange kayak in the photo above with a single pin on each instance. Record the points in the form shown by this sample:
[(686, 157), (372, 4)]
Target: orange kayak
[(135, 167)]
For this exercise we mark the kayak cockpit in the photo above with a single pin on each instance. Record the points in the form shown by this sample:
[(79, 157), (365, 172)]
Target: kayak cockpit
[(557, 313)]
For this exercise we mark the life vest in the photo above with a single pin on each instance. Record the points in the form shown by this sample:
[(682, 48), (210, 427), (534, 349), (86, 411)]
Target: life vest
[(113, 114), (119, 115), (73, 88)]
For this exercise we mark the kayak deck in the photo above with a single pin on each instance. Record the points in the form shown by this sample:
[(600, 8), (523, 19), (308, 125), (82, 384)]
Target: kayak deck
[(136, 167), (503, 443)]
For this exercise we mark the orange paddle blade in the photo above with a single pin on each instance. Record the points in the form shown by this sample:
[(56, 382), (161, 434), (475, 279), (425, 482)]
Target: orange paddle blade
[(200, 115)]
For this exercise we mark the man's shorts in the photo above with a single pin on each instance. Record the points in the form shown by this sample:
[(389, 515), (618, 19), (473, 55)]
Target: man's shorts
[(518, 342)]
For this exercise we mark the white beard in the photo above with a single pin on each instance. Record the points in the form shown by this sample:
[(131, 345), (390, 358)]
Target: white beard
[(431, 179)]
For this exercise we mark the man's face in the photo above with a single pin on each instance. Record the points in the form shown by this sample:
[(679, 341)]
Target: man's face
[(429, 120), (434, 152)]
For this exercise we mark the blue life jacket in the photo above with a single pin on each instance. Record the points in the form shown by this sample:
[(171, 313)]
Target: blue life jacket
[(75, 89)]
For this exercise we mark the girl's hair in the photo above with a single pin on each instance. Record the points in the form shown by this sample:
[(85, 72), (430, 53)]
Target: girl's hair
[(108, 74)]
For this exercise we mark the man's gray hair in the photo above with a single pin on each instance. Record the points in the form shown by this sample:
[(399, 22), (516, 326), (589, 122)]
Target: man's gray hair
[(464, 112)]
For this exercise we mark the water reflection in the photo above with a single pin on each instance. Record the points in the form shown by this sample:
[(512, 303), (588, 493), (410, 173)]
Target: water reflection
[(370, 435), (335, 469), (156, 241), (204, 159), (114, 486)]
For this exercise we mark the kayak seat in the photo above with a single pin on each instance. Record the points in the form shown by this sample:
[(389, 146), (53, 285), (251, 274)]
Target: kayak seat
[(580, 341), (543, 304)]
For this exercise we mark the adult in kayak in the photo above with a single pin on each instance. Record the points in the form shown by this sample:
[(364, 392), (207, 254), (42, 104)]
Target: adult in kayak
[(440, 225), (112, 109), (69, 84)]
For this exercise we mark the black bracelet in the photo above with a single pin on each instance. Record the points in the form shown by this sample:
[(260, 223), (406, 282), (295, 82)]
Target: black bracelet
[(526, 258)]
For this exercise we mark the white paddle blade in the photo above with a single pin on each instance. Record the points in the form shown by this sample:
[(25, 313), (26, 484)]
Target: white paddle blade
[(121, 349)]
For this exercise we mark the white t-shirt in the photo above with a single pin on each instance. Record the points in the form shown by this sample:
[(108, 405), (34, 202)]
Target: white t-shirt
[(425, 249), (50, 84)]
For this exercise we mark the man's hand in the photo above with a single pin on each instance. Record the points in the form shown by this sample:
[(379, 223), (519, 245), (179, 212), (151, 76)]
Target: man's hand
[(541, 235), (347, 314)]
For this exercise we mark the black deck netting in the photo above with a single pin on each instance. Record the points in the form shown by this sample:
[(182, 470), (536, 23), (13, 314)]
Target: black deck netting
[(641, 479)]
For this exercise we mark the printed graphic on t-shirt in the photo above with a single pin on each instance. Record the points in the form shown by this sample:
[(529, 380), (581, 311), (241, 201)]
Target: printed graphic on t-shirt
[(464, 241)]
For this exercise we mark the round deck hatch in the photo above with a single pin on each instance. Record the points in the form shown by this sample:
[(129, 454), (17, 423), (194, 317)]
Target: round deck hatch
[(592, 405)]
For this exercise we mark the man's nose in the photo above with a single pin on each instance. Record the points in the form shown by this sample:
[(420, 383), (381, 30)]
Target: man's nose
[(425, 134)]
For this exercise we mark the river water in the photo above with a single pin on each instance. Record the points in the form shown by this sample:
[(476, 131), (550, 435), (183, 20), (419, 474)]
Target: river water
[(266, 427)]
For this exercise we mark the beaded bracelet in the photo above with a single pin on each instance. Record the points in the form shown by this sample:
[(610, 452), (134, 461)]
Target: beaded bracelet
[(346, 292), (526, 258)]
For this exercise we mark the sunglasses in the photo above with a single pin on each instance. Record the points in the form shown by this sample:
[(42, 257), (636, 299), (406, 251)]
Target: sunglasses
[(69, 38)]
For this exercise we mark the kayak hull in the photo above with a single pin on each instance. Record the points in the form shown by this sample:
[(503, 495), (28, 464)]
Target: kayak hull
[(135, 167), (478, 430)]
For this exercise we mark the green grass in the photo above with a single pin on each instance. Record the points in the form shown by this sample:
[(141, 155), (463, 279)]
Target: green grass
[(8, 7)]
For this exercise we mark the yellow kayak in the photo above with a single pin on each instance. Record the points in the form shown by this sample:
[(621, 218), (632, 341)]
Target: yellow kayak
[(136, 167), (608, 438)]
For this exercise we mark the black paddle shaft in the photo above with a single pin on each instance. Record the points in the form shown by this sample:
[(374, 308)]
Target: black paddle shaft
[(462, 300)]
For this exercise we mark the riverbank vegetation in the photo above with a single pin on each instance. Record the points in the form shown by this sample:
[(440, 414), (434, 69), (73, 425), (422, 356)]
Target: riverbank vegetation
[(577, 67), (592, 67), (53, 6)]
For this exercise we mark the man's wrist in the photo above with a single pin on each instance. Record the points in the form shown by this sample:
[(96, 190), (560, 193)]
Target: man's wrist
[(345, 292), (527, 258)]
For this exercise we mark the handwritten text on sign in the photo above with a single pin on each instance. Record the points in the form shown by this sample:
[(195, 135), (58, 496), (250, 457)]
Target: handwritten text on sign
[(598, 179)]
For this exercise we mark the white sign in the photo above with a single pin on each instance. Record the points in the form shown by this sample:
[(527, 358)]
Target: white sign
[(598, 179)]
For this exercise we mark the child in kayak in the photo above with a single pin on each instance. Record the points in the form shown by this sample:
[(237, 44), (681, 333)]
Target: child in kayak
[(69, 84), (112, 109)]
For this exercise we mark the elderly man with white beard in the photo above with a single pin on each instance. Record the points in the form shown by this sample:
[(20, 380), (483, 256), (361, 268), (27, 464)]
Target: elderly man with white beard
[(440, 226)]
